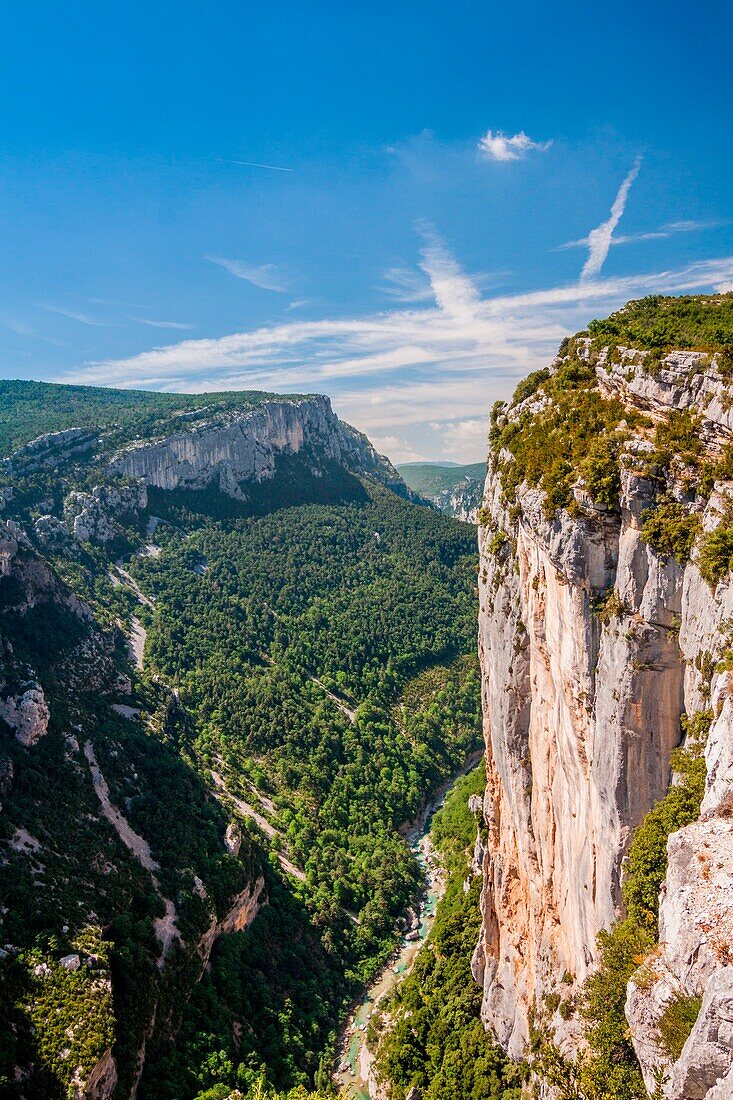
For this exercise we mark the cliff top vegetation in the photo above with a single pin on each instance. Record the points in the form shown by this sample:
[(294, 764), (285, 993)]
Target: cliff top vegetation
[(30, 409), (703, 322)]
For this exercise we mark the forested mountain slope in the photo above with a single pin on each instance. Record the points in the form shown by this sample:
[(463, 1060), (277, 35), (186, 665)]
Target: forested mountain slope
[(235, 660)]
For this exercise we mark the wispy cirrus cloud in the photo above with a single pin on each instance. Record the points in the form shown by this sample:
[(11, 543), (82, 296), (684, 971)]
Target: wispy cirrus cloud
[(254, 164), (670, 229), (404, 284), (599, 239), (496, 145), (74, 315), (436, 367), (160, 324), (265, 276)]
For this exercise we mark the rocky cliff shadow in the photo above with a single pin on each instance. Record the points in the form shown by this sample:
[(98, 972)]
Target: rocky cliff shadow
[(297, 481)]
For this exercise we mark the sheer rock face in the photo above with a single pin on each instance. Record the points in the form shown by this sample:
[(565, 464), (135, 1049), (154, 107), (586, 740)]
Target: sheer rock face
[(243, 447), (582, 711)]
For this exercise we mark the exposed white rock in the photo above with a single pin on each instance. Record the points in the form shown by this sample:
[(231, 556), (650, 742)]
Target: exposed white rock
[(233, 838), (242, 446), (70, 962), (684, 380), (581, 714), (27, 713), (50, 449), (100, 1084), (52, 533), (705, 1068), (8, 549), (573, 706), (95, 516)]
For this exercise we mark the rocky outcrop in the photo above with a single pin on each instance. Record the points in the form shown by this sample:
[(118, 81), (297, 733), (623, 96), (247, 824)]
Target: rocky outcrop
[(26, 712), (50, 450), (684, 380), (232, 449), (462, 501), (100, 1083), (592, 646), (96, 516), (242, 911)]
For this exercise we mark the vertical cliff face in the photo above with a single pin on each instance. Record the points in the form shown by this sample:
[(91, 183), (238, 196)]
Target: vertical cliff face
[(595, 637), (233, 448)]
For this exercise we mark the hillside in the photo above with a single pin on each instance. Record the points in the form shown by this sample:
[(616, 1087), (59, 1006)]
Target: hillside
[(235, 660), (455, 490), (604, 638)]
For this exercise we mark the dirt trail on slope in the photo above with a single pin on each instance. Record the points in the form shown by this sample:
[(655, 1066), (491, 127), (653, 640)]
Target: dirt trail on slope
[(120, 578), (138, 637), (342, 706), (165, 927), (249, 811)]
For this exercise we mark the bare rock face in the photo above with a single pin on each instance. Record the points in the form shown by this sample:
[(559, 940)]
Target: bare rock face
[(686, 380), (573, 707), (243, 446), (52, 533), (243, 910), (95, 516), (592, 646), (705, 1068), (8, 550), (27, 713), (99, 1084), (50, 450)]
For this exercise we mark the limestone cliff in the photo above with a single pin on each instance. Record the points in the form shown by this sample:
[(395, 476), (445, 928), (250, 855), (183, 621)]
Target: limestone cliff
[(596, 634), (234, 448)]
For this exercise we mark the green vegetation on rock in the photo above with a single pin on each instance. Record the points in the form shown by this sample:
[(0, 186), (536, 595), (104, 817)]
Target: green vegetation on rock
[(576, 432), (700, 322), (30, 409), (671, 529)]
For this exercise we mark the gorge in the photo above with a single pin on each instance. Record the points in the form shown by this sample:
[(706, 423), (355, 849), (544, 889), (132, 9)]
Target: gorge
[(239, 658)]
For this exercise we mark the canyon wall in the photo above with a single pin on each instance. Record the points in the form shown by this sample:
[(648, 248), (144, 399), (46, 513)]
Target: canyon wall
[(240, 446), (593, 645)]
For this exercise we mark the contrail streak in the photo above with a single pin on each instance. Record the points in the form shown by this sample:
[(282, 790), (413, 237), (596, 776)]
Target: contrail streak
[(253, 164)]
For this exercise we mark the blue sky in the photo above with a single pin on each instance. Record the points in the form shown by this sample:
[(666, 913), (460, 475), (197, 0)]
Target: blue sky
[(410, 261)]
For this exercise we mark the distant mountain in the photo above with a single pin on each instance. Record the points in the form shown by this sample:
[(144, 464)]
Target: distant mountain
[(455, 490), (442, 465)]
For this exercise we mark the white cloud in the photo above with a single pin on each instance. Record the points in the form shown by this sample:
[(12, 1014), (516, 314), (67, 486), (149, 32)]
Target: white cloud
[(464, 439), (396, 450), (160, 324), (406, 285), (403, 369), (74, 315), (599, 239), (724, 288), (664, 231), (265, 276), (496, 145), (254, 164)]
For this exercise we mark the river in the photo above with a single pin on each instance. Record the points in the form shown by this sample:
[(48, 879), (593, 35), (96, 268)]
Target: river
[(354, 1059)]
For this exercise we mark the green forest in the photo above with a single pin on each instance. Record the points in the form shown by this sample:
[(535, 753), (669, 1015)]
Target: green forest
[(309, 678), (324, 654)]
